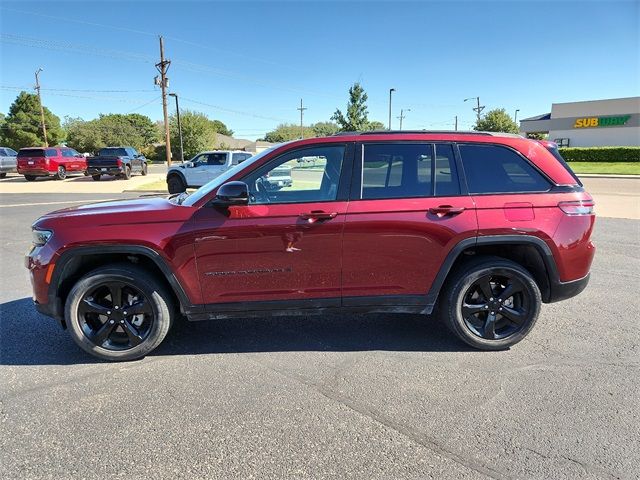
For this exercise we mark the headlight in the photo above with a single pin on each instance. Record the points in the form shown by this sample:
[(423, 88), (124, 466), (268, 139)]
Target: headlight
[(40, 237)]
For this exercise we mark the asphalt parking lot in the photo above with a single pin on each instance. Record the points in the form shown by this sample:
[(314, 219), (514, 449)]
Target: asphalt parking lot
[(378, 396)]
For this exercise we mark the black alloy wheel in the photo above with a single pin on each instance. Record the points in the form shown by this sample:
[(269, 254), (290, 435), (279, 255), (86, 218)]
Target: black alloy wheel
[(490, 303), (115, 315)]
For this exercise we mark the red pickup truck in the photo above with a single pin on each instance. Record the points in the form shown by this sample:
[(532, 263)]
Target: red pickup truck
[(45, 162)]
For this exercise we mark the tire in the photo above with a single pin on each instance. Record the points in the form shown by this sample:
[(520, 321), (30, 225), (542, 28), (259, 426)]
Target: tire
[(127, 172), (122, 338), (96, 177), (61, 174), (3, 174), (484, 323), (144, 169), (30, 178), (175, 184)]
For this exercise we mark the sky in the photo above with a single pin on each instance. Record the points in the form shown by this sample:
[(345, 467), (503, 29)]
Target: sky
[(249, 63)]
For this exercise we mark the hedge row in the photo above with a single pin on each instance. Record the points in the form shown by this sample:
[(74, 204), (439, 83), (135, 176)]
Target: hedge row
[(601, 154)]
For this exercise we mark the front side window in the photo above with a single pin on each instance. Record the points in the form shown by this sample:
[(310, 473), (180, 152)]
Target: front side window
[(289, 179), (495, 169)]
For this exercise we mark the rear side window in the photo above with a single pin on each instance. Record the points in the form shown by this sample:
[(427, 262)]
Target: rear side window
[(408, 171), (216, 159), (31, 152), (52, 152), (239, 158), (494, 169)]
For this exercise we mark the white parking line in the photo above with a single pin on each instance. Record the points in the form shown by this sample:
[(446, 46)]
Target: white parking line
[(58, 203)]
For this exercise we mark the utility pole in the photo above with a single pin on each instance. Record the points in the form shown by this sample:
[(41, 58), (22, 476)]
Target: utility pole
[(456, 127), (403, 116), (478, 109), (302, 109), (175, 95), (391, 90), (44, 127), (162, 67)]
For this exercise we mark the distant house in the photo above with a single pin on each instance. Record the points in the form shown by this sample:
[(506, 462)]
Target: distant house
[(226, 142)]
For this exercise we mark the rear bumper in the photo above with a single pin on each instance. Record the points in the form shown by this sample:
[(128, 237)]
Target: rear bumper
[(105, 170), (559, 291), (36, 172)]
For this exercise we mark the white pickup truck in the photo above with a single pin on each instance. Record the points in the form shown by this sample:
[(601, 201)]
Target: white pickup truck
[(202, 168)]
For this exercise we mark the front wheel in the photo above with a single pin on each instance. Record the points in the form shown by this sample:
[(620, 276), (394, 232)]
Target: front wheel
[(96, 178), (175, 184), (491, 303), (118, 312), (3, 174), (61, 174)]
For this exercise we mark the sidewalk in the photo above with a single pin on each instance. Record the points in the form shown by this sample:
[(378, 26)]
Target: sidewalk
[(76, 184)]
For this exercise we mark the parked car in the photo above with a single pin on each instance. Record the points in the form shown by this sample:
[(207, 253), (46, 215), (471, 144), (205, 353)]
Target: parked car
[(477, 228), (202, 168), (50, 161), (121, 162), (8, 161)]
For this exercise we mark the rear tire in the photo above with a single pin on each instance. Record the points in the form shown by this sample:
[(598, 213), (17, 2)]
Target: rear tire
[(144, 169), (175, 184), (491, 303), (30, 178), (3, 174), (62, 173), (96, 177), (100, 323), (127, 173)]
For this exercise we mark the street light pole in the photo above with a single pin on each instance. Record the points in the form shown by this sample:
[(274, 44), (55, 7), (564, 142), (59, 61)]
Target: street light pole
[(515, 116), (44, 126), (391, 90), (175, 95)]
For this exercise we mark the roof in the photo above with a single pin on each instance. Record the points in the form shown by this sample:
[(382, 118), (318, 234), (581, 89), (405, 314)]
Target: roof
[(429, 132), (544, 116)]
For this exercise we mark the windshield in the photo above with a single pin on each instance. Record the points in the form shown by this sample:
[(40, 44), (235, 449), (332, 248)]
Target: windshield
[(216, 182)]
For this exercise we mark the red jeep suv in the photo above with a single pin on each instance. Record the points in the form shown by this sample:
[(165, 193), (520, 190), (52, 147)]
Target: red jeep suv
[(478, 228)]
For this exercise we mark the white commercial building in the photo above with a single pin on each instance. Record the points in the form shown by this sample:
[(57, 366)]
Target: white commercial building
[(594, 123)]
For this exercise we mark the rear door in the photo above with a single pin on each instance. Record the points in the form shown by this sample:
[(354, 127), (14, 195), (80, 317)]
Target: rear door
[(408, 209)]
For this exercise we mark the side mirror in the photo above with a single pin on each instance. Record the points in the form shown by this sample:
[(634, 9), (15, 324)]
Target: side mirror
[(232, 193), (188, 164)]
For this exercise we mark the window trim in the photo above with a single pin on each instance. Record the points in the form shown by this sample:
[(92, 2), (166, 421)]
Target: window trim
[(356, 190), (342, 193), (552, 184)]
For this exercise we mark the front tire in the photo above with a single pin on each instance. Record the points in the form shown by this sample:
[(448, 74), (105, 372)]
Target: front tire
[(61, 174), (491, 303), (3, 174), (118, 313), (175, 184), (96, 178)]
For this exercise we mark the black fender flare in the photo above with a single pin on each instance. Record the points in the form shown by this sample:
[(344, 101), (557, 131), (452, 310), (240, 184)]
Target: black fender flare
[(540, 245), (179, 174), (64, 264)]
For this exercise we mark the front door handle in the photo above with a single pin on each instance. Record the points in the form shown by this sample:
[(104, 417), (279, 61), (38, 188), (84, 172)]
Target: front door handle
[(445, 210), (316, 215)]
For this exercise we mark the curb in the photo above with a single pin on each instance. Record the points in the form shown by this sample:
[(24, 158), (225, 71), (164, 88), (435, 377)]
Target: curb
[(605, 175)]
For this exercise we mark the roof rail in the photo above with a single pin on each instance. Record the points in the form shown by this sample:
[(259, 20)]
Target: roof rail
[(399, 132)]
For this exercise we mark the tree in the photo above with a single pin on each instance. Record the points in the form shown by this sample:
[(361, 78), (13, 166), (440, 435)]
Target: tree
[(288, 131), (222, 128), (497, 120), (324, 129), (375, 125), (111, 130), (2, 123), (198, 133), (22, 127), (356, 117)]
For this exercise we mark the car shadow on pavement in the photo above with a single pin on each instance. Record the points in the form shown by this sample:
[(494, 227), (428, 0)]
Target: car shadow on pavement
[(28, 338)]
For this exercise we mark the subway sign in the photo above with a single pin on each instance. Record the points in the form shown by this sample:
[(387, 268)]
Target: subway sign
[(595, 122)]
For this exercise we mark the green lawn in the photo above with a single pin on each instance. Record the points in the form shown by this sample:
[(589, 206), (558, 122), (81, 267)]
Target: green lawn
[(620, 168)]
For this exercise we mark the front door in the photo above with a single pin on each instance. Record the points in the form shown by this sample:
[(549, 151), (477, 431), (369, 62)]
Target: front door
[(407, 212), (285, 246)]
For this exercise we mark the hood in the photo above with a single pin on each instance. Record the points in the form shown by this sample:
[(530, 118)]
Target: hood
[(139, 210)]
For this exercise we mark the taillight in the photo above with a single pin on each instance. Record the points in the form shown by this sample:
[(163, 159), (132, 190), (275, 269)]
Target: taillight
[(578, 207), (119, 162)]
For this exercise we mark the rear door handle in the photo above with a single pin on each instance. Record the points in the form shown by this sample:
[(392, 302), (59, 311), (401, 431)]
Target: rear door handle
[(315, 215), (445, 210)]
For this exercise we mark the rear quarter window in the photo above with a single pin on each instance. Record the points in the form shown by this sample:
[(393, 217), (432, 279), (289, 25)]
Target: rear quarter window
[(496, 169)]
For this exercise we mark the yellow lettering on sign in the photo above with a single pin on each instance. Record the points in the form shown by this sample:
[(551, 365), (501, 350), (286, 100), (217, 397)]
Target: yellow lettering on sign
[(578, 123), (593, 122)]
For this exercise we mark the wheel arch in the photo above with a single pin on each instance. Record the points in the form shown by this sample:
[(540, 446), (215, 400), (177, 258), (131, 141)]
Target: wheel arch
[(177, 174), (530, 252), (76, 262)]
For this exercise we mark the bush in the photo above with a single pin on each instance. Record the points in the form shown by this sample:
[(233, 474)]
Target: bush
[(601, 154)]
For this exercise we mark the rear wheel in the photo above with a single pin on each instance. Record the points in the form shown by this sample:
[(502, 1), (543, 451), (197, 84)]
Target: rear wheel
[(30, 178), (175, 184), (96, 177), (491, 303), (127, 173), (3, 174), (61, 174), (118, 313), (144, 168)]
